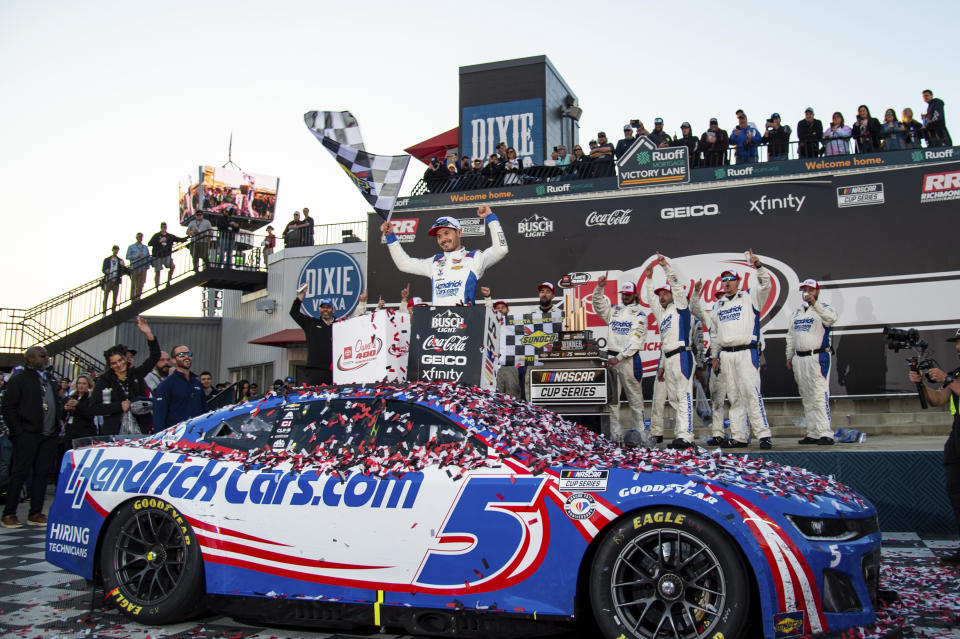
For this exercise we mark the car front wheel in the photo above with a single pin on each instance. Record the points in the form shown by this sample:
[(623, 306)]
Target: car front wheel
[(150, 562), (669, 573)]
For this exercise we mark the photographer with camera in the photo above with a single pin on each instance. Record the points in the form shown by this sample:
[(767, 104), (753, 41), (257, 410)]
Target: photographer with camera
[(808, 356), (777, 139), (949, 392)]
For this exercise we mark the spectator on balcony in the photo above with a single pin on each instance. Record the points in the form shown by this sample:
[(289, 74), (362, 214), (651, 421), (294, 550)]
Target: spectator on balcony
[(866, 130), (227, 227), (269, 244), (777, 139), (307, 229), (491, 170), (658, 136), (641, 130), (579, 163), (199, 231), (502, 152), (837, 137), (512, 168), (893, 132), (112, 272), (935, 122), (291, 232), (624, 145), (690, 141), (437, 176), (138, 261), (563, 158), (602, 156), (914, 130), (713, 144), (745, 139), (466, 178), (161, 248), (810, 133)]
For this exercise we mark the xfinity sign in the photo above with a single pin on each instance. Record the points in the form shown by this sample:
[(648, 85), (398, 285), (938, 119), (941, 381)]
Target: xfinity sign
[(332, 276)]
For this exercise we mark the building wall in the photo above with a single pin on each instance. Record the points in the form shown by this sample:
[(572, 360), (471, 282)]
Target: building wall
[(242, 322)]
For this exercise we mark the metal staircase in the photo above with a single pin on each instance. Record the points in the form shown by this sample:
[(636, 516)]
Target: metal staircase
[(60, 324)]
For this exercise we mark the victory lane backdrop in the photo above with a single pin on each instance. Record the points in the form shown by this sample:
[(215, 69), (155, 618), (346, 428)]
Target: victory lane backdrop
[(862, 248)]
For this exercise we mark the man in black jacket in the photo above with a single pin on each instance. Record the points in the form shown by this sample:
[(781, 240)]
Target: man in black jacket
[(690, 141), (228, 227), (112, 268), (161, 248), (935, 121), (319, 336), (777, 139), (810, 134), (32, 412)]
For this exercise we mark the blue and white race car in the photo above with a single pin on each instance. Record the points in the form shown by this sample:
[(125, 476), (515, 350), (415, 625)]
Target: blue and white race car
[(445, 510)]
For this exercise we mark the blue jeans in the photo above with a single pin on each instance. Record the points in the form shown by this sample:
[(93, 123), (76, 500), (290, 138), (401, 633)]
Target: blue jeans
[(6, 454)]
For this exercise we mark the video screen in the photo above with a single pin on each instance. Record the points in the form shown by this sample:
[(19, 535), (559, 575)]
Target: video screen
[(189, 189), (249, 195)]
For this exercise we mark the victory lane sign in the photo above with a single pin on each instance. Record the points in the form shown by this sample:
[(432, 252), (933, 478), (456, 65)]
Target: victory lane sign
[(644, 163)]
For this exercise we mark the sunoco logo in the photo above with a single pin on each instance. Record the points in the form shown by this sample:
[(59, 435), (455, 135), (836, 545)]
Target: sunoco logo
[(448, 322), (614, 218), (538, 339), (535, 226)]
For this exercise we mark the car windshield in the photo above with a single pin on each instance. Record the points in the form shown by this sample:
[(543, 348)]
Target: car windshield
[(242, 432)]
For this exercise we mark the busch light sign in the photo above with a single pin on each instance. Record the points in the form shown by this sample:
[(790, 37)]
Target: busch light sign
[(518, 123), (333, 276)]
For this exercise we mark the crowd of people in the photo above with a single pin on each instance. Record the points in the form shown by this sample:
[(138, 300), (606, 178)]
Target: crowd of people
[(714, 147), (41, 413)]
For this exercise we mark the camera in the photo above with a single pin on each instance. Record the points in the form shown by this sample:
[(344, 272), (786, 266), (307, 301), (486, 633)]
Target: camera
[(635, 123), (556, 149), (898, 339)]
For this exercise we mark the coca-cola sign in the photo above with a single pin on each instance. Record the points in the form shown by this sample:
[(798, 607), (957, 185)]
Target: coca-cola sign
[(616, 217), (446, 343)]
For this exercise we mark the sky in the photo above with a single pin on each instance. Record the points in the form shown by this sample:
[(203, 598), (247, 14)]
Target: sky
[(106, 105)]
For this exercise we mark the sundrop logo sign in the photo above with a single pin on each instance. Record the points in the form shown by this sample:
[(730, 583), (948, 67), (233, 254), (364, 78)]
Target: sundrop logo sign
[(333, 276)]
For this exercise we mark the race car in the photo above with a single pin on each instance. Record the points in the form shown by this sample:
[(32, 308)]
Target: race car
[(446, 510)]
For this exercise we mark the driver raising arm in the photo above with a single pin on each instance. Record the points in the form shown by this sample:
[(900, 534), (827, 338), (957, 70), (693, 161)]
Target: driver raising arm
[(454, 273)]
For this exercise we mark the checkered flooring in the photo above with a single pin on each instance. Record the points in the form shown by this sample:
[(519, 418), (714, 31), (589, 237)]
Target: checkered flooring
[(39, 600)]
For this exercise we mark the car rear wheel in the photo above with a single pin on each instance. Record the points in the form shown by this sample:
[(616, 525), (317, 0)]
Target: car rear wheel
[(669, 573), (151, 565)]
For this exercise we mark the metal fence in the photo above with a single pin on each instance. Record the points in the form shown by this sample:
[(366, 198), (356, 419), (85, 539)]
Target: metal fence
[(583, 167)]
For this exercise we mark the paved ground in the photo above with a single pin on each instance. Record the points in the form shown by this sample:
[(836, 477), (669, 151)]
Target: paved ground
[(37, 600)]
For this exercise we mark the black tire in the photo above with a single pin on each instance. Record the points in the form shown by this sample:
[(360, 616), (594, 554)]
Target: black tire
[(671, 573), (151, 565)]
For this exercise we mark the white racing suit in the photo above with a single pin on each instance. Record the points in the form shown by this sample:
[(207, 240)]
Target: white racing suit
[(718, 390), (808, 351), (676, 356), (453, 275), (628, 330), (737, 343)]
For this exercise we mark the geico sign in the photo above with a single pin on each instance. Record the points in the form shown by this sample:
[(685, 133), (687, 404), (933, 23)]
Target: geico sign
[(697, 210), (444, 360)]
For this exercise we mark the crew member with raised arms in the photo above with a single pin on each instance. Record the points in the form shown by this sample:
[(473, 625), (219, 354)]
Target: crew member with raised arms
[(628, 331), (808, 356), (676, 358), (736, 316), (455, 272)]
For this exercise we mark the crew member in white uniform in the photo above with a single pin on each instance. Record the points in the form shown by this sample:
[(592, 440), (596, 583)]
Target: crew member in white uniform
[(808, 356), (454, 273), (676, 358), (736, 316), (628, 331), (718, 390)]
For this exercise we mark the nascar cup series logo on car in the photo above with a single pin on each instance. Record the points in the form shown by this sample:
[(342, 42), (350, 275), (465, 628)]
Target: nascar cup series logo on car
[(333, 276)]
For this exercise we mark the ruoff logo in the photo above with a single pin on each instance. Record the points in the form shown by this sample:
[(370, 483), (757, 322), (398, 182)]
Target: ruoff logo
[(614, 218), (404, 229), (697, 210), (765, 203), (448, 322), (544, 189), (535, 226)]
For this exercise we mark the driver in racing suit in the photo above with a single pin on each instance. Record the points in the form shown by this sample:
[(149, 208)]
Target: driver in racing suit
[(736, 316), (808, 356), (676, 358), (718, 390), (628, 330), (454, 273)]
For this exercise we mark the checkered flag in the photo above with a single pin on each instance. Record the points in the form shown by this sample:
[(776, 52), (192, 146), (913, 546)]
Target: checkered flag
[(521, 335), (378, 177)]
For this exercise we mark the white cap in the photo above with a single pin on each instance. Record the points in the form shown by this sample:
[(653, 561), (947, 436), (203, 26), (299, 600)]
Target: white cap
[(627, 287), (444, 222), (812, 283), (547, 285)]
